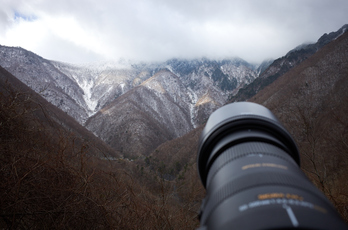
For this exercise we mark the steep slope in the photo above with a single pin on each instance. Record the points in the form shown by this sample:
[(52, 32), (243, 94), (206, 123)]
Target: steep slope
[(48, 120), (312, 101), (282, 65), (43, 159), (167, 106), (103, 82), (216, 80), (146, 116), (226, 76), (41, 76)]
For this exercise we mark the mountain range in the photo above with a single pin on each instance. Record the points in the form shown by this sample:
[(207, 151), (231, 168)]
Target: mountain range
[(134, 107), (164, 100)]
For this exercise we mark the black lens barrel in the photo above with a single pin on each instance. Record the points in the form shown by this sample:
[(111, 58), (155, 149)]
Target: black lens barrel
[(249, 165), (245, 117)]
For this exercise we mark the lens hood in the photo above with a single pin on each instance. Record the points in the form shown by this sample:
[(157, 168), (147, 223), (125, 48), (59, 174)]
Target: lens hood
[(234, 120)]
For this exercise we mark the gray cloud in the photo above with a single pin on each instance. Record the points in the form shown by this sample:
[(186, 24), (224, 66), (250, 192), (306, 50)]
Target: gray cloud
[(155, 30)]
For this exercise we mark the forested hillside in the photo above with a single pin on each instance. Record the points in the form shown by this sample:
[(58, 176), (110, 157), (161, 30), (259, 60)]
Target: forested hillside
[(312, 102), (56, 175)]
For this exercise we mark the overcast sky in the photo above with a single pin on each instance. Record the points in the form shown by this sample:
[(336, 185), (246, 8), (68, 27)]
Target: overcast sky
[(80, 31)]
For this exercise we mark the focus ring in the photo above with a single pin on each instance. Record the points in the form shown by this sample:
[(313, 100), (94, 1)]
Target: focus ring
[(243, 150)]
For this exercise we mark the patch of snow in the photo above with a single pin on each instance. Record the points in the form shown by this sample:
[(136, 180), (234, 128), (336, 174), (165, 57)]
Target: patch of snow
[(194, 98), (122, 86), (170, 68), (343, 31), (87, 87)]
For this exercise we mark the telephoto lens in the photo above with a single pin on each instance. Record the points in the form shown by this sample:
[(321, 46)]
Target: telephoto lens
[(250, 167)]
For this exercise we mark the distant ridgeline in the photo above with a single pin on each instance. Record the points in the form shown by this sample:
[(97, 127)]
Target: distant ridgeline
[(282, 65)]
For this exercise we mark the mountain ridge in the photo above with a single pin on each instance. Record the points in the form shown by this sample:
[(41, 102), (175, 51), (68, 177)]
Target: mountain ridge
[(147, 108), (82, 90), (50, 114), (283, 64)]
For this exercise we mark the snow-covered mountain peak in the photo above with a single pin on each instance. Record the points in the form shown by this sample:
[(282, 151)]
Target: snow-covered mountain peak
[(83, 90)]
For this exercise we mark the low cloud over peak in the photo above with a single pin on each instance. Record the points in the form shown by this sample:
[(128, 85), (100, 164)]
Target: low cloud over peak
[(152, 30)]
